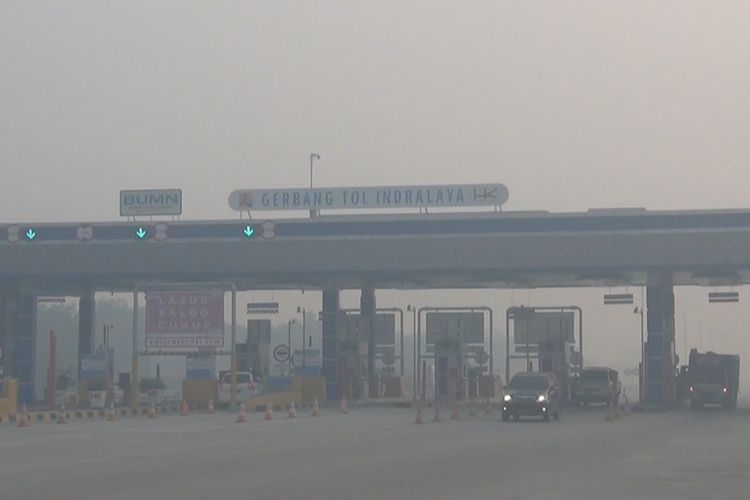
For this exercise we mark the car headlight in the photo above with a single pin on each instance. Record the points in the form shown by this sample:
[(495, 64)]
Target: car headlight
[(507, 398), (542, 398)]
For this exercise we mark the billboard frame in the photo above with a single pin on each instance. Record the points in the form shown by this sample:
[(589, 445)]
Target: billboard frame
[(387, 310), (517, 312), (424, 310), (167, 287)]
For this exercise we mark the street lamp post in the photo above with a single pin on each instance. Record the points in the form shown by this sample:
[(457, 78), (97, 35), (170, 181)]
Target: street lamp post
[(289, 344), (642, 371), (414, 349), (303, 311), (313, 157)]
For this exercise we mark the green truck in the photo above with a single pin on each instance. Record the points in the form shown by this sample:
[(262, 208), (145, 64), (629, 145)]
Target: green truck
[(713, 379)]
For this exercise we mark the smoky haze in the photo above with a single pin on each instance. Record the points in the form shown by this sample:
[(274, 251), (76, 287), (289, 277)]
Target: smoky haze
[(572, 105)]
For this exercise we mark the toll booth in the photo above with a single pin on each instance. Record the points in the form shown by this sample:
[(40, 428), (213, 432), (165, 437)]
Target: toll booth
[(555, 357), (450, 369), (455, 341), (362, 375), (352, 357), (255, 353), (544, 338)]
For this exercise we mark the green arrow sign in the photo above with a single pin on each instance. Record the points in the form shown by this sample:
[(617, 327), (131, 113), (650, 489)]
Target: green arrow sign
[(249, 231), (141, 233), (30, 234)]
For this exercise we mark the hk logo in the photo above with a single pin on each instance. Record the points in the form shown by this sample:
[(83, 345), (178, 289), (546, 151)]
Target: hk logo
[(85, 233), (13, 233), (161, 232), (268, 230)]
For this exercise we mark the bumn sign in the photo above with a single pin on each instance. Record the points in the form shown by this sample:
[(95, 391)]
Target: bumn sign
[(151, 202)]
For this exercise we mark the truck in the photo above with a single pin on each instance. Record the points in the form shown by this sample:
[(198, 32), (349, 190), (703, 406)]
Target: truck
[(713, 379), (597, 385)]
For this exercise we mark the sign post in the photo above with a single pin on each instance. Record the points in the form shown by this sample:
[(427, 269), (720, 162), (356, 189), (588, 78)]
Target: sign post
[(369, 197), (184, 317), (150, 202)]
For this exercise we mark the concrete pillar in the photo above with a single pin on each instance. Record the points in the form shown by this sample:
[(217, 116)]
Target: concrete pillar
[(660, 345), (18, 339), (329, 344), (86, 326), (7, 326), (367, 307)]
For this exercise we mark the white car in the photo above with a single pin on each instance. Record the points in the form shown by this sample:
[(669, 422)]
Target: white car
[(246, 387)]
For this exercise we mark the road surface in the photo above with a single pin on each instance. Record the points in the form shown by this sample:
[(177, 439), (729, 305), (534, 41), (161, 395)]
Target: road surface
[(379, 453)]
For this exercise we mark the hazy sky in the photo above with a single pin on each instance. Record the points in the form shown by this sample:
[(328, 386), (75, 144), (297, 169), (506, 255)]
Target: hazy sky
[(570, 104)]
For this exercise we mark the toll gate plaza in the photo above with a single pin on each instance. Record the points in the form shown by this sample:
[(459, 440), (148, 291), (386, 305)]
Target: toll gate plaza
[(658, 250)]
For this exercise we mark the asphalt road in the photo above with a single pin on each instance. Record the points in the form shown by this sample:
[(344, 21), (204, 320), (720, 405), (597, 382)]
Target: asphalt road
[(379, 453)]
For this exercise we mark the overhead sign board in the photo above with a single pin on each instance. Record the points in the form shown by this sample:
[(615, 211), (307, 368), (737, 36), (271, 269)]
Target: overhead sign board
[(466, 326), (385, 328), (150, 202), (543, 327), (185, 319), (262, 308), (459, 195)]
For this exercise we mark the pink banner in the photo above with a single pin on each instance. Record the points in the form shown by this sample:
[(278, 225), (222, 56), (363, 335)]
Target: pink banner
[(185, 314)]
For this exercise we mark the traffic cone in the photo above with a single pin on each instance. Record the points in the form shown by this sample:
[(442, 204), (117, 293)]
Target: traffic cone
[(292, 410), (315, 408), (112, 413), (420, 419), (23, 418), (269, 412), (454, 413), (242, 415), (184, 408), (343, 408), (472, 410), (610, 412), (152, 411), (437, 417), (61, 417), (626, 403), (210, 408)]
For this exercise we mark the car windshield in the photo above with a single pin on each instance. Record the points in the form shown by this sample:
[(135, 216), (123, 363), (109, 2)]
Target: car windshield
[(526, 382), (242, 378), (594, 376)]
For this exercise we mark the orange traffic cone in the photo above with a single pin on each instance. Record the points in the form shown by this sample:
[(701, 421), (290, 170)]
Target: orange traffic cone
[(242, 415), (152, 411), (437, 417), (112, 413), (343, 408), (184, 408), (292, 410), (23, 418), (420, 419), (269, 412), (61, 416), (488, 408), (625, 404), (210, 408), (454, 413), (315, 408)]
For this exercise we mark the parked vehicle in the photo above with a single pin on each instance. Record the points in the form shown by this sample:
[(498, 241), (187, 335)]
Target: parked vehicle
[(597, 385), (532, 394), (247, 387), (713, 379)]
